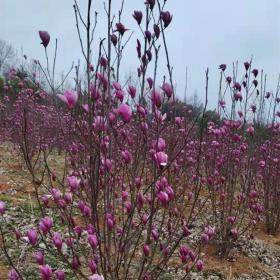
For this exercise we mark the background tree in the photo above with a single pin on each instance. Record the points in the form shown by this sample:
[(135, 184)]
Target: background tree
[(7, 56)]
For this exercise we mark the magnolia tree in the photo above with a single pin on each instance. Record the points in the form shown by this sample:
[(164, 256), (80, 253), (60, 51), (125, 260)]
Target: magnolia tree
[(121, 208)]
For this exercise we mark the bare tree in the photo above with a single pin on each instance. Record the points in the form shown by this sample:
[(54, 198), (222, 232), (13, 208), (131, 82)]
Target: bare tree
[(7, 55)]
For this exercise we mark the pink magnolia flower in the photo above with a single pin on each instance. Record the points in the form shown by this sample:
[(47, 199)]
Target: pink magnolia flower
[(222, 103), (103, 62), (85, 107), (81, 205), (125, 195), (138, 182), (156, 98), (61, 203), (240, 114), (231, 219), (148, 35), (100, 123), (96, 277), (250, 130), (116, 86), (68, 197), (190, 195), (120, 28), (161, 184), (75, 262), (132, 91), (237, 86), (56, 193), (223, 67), (108, 164), (229, 79), (184, 253), (145, 219), (237, 96), (255, 83), (90, 68), (60, 275), (159, 116), (70, 98), (86, 211), (92, 265), (210, 231), (204, 238), (46, 224), (138, 16), (40, 258), (142, 111), (178, 121), (146, 250), (151, 3), (159, 144), (169, 190), (163, 197), (199, 265), (90, 229), (253, 194), (32, 236), (73, 183), (57, 240), (160, 159), (45, 272), (141, 199), (150, 82), (110, 223), (13, 275), (111, 117), (247, 65), (184, 250), (2, 207), (155, 234), (254, 108), (78, 230), (125, 112), (128, 206), (45, 37), (167, 88), (126, 155), (156, 30), (234, 233), (144, 127), (255, 72), (119, 95), (149, 55), (94, 92), (166, 17), (92, 240), (114, 39)]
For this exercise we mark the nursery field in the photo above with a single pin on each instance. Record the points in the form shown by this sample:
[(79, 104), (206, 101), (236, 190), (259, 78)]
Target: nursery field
[(109, 170)]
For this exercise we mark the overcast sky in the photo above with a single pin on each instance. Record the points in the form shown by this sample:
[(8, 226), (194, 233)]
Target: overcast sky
[(203, 34)]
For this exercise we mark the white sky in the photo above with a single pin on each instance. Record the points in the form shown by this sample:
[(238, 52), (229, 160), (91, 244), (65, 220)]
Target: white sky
[(203, 34)]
